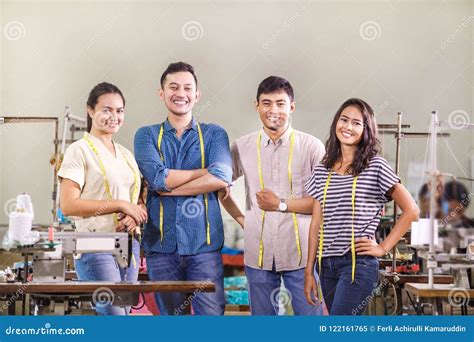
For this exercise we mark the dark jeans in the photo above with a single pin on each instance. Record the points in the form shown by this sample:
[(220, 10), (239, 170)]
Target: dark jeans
[(198, 267), (341, 295)]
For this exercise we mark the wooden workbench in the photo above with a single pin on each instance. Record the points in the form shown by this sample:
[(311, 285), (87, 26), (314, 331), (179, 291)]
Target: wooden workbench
[(439, 292), (23, 292), (70, 287), (399, 281)]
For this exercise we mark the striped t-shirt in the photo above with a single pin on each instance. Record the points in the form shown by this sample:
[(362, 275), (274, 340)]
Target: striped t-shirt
[(373, 183)]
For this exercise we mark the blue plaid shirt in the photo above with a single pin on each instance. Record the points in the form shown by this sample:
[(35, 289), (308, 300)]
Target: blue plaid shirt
[(184, 222)]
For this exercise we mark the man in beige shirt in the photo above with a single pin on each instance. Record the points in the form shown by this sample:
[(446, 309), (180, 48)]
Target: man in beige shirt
[(276, 162)]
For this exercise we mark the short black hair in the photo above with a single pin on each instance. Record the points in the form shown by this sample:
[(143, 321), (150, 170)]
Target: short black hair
[(456, 191), (275, 84), (177, 67)]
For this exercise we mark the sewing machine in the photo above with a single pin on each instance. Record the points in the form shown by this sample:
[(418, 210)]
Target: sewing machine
[(458, 264), (52, 293), (50, 266)]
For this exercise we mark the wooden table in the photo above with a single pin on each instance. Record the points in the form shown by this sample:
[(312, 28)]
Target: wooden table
[(18, 291), (399, 281), (70, 287), (439, 292)]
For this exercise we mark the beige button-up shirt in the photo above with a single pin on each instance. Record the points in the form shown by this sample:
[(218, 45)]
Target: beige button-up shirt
[(279, 238), (81, 165)]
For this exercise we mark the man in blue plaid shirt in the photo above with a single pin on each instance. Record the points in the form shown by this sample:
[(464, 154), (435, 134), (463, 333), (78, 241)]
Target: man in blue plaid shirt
[(184, 163)]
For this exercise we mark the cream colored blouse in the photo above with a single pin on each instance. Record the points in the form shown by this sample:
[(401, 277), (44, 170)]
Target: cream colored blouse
[(81, 165)]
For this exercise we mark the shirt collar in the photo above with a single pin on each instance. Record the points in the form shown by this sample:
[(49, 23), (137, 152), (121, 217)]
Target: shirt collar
[(192, 125), (284, 139)]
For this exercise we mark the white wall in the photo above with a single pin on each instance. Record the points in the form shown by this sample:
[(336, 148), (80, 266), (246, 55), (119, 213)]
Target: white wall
[(1, 111), (420, 59)]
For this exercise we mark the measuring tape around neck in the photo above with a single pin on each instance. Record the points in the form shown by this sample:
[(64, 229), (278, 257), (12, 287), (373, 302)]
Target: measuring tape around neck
[(321, 227), (262, 186), (134, 193), (203, 166)]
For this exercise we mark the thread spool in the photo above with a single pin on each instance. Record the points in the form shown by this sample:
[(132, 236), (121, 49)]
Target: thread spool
[(51, 234), (23, 201), (421, 230), (19, 225)]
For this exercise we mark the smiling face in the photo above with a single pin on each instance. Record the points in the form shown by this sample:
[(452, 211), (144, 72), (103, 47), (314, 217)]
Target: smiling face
[(179, 92), (108, 113), (274, 110), (350, 126)]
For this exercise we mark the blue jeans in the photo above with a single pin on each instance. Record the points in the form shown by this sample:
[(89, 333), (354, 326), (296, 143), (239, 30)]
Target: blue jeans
[(104, 267), (341, 295), (198, 267), (264, 292)]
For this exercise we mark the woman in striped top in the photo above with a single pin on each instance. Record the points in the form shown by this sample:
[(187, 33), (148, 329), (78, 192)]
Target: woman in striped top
[(350, 189)]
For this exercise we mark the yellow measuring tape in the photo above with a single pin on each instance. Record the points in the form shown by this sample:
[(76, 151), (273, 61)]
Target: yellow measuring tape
[(262, 186), (203, 166), (134, 194), (321, 227)]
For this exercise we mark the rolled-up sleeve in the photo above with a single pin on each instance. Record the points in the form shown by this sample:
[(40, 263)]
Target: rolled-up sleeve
[(148, 159), (74, 165), (237, 171), (220, 160)]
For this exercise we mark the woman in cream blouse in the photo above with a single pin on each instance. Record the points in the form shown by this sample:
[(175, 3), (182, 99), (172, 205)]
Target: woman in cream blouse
[(100, 185)]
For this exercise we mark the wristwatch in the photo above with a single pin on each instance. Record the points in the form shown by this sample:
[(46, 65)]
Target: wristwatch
[(282, 207)]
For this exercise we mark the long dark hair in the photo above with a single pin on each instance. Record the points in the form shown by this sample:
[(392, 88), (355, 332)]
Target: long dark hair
[(96, 92), (368, 147)]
